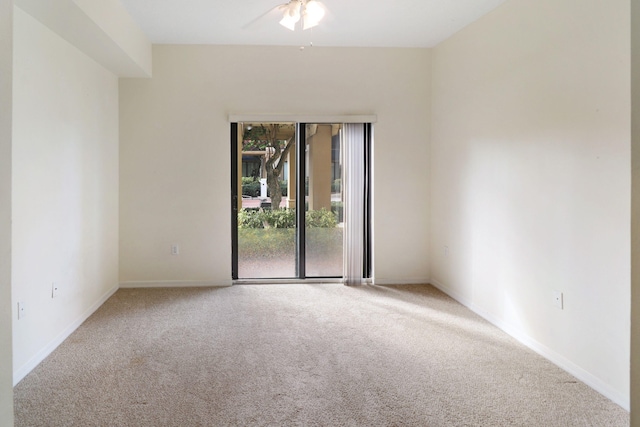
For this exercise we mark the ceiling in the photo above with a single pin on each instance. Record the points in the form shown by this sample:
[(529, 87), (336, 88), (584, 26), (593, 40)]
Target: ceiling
[(354, 23)]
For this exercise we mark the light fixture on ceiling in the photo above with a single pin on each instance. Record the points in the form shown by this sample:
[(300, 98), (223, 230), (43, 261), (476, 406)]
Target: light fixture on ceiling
[(311, 12)]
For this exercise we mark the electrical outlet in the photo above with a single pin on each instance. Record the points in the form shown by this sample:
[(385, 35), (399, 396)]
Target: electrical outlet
[(446, 251), (54, 290), (175, 249), (22, 312), (558, 300)]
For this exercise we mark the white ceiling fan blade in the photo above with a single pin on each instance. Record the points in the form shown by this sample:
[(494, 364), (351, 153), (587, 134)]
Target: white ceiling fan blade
[(279, 9)]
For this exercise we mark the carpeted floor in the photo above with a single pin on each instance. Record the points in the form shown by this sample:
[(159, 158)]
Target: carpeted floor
[(299, 355)]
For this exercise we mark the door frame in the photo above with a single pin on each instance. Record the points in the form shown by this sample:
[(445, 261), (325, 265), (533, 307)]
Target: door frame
[(300, 131)]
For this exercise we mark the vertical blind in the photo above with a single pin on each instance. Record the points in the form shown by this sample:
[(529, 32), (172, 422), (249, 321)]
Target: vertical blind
[(354, 200)]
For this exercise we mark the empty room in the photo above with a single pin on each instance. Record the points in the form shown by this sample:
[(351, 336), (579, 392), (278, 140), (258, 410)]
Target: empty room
[(319, 213)]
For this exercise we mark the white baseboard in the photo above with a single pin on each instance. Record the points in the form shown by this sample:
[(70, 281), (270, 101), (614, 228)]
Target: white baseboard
[(172, 284), (410, 281), (544, 351), (22, 372)]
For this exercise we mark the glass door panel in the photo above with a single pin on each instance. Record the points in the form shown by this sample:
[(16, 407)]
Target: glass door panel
[(323, 201), (266, 220)]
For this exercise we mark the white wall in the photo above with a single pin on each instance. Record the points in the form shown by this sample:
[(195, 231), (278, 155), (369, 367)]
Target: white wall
[(65, 188), (635, 214), (6, 69), (530, 179), (102, 29), (116, 23), (175, 149)]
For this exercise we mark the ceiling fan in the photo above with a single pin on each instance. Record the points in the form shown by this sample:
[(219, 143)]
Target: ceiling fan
[(310, 12)]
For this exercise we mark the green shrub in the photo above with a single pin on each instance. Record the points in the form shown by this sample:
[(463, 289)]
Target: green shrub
[(280, 218), (267, 218), (250, 186), (285, 218), (321, 219), (249, 218)]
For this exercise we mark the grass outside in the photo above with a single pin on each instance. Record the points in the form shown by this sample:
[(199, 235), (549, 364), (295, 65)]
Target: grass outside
[(272, 243)]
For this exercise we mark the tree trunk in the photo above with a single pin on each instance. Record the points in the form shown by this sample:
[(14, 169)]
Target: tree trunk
[(274, 188), (274, 166)]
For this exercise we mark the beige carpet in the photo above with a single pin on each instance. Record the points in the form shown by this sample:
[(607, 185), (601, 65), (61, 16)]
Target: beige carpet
[(299, 355)]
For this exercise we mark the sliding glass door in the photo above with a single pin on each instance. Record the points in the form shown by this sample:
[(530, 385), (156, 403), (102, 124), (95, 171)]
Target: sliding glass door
[(288, 203), (265, 243), (324, 208)]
